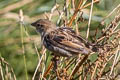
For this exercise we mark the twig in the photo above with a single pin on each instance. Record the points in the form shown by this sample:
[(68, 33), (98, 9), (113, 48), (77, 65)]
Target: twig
[(111, 12), (48, 70), (93, 74), (22, 41), (95, 1), (113, 25), (1, 70), (78, 65), (69, 64), (78, 9), (5, 62), (43, 52), (88, 30), (52, 10), (114, 62), (75, 13)]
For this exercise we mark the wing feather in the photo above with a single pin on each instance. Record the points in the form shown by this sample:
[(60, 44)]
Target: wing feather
[(67, 40)]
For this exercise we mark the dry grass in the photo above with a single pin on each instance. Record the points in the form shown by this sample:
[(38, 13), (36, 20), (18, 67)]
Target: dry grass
[(102, 67)]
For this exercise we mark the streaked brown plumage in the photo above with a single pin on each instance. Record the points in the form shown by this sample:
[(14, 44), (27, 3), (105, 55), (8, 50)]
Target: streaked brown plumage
[(62, 41)]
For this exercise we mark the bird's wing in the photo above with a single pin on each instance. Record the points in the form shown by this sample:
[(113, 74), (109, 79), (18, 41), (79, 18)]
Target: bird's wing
[(65, 38)]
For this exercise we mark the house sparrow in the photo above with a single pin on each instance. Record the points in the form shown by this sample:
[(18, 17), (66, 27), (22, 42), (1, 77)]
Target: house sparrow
[(62, 41)]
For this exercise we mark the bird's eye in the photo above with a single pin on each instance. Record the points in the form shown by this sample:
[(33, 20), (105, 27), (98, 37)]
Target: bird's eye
[(38, 24), (41, 25)]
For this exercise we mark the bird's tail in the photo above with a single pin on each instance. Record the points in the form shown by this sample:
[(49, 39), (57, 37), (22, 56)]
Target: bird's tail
[(96, 47)]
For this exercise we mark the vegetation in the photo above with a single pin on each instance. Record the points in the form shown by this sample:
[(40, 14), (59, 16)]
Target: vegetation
[(23, 58)]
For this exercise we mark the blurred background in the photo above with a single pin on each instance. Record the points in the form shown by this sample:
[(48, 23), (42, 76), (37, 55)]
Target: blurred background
[(10, 34)]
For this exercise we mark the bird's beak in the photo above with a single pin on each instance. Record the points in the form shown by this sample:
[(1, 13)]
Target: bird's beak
[(33, 24)]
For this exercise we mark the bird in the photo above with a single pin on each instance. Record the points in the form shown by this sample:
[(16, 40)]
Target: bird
[(62, 41)]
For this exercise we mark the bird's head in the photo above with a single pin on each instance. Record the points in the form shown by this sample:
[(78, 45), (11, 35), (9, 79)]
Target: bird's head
[(44, 26)]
